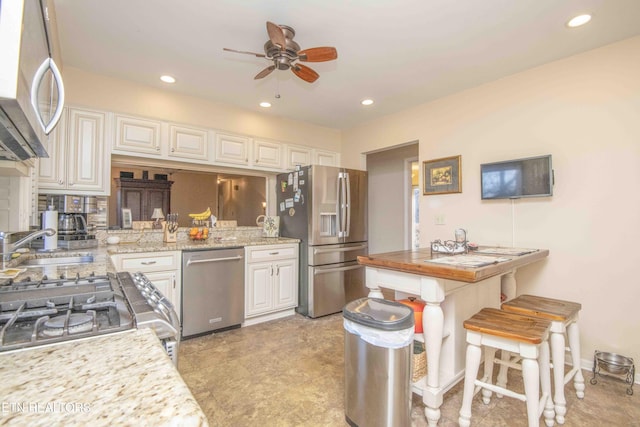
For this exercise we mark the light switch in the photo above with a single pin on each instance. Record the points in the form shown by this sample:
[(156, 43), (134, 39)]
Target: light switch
[(440, 220)]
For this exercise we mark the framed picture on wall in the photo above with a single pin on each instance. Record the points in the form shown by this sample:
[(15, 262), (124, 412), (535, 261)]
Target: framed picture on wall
[(442, 176)]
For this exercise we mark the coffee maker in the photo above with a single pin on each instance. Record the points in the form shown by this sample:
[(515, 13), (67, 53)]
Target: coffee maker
[(73, 232)]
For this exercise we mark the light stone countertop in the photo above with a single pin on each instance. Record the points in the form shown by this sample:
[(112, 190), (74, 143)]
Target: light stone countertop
[(123, 379), (133, 242)]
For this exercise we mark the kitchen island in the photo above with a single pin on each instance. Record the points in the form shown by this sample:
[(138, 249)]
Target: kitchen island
[(123, 379), (454, 287)]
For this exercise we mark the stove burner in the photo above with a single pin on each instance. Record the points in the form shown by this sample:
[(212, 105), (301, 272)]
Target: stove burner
[(75, 323)]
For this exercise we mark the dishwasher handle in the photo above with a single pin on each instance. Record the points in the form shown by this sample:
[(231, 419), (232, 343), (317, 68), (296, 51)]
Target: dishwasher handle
[(203, 261)]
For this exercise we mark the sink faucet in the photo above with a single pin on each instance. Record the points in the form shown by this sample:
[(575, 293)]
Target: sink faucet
[(8, 246)]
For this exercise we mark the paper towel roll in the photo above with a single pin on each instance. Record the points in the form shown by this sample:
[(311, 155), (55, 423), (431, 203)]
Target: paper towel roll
[(50, 220)]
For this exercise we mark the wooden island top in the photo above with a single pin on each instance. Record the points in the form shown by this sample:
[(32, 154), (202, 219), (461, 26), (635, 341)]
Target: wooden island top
[(420, 261)]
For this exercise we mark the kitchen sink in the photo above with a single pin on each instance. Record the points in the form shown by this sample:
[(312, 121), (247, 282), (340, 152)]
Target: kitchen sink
[(41, 262)]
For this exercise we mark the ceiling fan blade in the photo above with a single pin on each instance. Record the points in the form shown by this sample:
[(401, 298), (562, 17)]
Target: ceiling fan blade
[(305, 73), (276, 35), (259, 55), (265, 72), (318, 54)]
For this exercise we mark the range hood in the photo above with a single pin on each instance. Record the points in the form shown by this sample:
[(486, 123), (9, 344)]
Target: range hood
[(31, 87)]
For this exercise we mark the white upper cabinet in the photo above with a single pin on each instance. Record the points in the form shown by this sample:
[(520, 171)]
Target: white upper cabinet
[(137, 136), (267, 154), (326, 158), (79, 160), (297, 155), (188, 142), (234, 149), (52, 173)]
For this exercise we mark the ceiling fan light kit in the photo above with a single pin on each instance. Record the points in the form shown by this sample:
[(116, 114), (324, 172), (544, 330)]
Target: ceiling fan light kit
[(286, 54)]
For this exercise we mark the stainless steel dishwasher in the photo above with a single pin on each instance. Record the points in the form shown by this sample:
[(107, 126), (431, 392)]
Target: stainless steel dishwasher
[(212, 290)]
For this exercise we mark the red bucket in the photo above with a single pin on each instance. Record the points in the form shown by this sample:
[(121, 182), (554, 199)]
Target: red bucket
[(418, 307)]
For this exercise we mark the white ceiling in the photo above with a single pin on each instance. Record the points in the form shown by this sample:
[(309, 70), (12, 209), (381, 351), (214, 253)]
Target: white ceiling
[(401, 53)]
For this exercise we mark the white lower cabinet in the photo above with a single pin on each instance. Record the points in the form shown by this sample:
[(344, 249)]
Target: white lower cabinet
[(271, 282), (163, 269)]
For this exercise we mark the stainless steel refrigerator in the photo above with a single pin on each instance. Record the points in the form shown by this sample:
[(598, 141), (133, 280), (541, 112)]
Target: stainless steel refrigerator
[(326, 208)]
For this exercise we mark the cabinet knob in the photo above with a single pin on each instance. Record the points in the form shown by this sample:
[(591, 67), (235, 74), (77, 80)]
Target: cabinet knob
[(61, 182), (173, 150), (157, 148), (70, 183)]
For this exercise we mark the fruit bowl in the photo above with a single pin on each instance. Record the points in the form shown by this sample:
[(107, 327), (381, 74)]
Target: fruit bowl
[(198, 233)]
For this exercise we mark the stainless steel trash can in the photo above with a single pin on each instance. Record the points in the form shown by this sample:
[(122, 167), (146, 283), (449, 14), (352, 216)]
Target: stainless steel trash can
[(378, 344)]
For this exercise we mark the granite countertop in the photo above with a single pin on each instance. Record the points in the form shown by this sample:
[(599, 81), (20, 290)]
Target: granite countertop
[(132, 242), (122, 379)]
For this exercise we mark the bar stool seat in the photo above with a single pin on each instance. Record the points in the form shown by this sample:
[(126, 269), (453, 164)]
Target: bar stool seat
[(525, 336), (564, 318)]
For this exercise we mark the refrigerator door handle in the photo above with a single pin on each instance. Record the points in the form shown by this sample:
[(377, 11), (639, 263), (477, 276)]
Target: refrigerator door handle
[(343, 204), (339, 203), (334, 250), (347, 206)]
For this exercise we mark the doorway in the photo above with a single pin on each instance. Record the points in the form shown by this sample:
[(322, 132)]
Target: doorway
[(393, 198)]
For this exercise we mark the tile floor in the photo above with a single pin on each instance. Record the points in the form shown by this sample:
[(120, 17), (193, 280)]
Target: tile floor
[(289, 372)]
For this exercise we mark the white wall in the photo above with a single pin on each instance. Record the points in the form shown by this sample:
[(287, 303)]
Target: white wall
[(106, 93), (585, 111), (388, 216)]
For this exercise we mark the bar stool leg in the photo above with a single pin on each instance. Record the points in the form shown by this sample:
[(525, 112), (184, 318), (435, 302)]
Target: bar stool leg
[(489, 354), (472, 364), (501, 379), (530, 376), (573, 331), (557, 354), (545, 384)]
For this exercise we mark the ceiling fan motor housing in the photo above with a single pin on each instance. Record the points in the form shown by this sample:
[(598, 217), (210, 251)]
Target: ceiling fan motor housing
[(282, 58)]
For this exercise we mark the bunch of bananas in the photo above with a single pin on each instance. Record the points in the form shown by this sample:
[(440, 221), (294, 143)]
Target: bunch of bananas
[(202, 216)]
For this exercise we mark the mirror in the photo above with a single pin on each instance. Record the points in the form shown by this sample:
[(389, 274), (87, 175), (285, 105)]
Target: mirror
[(231, 197)]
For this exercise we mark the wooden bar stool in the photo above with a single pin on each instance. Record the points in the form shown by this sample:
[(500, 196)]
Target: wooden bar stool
[(564, 318), (523, 335)]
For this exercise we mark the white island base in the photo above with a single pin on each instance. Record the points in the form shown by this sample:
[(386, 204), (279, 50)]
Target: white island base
[(448, 304)]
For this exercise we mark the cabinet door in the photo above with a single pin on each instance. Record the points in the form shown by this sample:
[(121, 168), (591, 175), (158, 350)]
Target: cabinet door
[(89, 166), (168, 283), (137, 136), (188, 143), (259, 298), (232, 149), (267, 154), (155, 198), (286, 284), (326, 158), (297, 156), (51, 170), (132, 198)]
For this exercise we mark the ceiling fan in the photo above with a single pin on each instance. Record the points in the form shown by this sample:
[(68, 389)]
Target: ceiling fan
[(285, 53)]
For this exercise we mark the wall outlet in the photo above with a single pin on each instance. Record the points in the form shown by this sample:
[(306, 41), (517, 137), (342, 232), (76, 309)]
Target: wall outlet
[(440, 219)]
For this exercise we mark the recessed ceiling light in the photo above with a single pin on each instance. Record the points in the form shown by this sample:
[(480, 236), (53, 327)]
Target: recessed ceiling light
[(265, 104), (578, 21), (367, 101), (168, 79)]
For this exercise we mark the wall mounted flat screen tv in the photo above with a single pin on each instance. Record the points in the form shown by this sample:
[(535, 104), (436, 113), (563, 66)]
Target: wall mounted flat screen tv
[(512, 179)]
